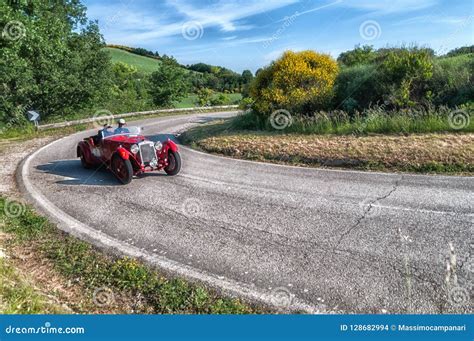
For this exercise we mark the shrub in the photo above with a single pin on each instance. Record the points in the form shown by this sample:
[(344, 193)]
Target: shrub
[(168, 85), (204, 97), (453, 80), (405, 73), (221, 99), (357, 87), (376, 119), (397, 78), (246, 103), (359, 55), (301, 82)]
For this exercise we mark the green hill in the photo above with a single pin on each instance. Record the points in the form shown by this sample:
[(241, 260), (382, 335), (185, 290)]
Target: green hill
[(142, 63)]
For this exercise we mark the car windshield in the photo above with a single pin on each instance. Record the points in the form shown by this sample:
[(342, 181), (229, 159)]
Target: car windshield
[(125, 130)]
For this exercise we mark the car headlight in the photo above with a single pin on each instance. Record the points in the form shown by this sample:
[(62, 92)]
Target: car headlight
[(134, 148), (158, 145)]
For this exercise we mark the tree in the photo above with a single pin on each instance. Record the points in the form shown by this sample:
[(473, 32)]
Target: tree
[(169, 84), (406, 73), (359, 55), (247, 76), (51, 59), (300, 82), (460, 50), (204, 97)]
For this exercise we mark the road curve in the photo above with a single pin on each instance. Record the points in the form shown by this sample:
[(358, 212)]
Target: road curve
[(317, 240)]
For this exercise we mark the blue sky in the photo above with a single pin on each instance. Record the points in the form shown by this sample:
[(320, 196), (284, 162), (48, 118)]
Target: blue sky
[(244, 34)]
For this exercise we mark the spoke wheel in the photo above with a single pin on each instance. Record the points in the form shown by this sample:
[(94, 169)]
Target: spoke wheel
[(174, 163), (122, 169)]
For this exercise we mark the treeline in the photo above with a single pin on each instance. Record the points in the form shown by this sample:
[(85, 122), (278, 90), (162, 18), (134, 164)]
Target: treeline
[(401, 82), (63, 71), (206, 76), (144, 52), (219, 78), (402, 77)]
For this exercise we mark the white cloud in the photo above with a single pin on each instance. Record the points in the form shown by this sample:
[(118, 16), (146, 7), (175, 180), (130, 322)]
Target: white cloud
[(132, 26), (435, 19), (297, 13), (389, 6), (226, 14)]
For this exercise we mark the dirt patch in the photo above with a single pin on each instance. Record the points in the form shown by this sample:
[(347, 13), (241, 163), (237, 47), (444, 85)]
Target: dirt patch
[(12, 152)]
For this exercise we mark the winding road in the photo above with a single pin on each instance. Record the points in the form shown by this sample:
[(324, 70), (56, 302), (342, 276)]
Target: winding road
[(317, 240)]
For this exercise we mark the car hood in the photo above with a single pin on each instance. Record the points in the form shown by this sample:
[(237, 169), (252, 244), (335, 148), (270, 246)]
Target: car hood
[(127, 139)]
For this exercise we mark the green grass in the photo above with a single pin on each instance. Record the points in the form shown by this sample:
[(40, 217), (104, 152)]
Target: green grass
[(18, 296), (79, 261), (376, 121), (19, 134), (459, 59), (142, 63)]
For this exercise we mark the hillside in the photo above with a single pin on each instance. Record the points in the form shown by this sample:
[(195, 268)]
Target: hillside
[(142, 63)]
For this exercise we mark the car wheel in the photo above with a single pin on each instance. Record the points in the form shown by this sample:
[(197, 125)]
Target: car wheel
[(122, 169), (84, 163), (174, 163)]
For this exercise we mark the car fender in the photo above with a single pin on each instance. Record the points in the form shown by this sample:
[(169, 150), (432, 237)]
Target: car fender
[(169, 145), (84, 148), (123, 153)]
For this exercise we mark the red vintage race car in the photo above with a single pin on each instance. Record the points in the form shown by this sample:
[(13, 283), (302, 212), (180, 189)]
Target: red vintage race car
[(126, 152)]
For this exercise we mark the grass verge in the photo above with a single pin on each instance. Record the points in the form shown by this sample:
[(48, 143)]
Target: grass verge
[(107, 280), (18, 296), (372, 121), (448, 153)]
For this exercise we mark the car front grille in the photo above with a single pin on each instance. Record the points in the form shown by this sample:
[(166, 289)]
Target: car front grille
[(147, 152)]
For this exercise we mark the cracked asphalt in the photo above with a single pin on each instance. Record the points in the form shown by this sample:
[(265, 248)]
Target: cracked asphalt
[(340, 241)]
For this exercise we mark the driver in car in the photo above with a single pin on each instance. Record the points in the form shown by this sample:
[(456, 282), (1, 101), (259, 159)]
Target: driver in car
[(105, 131), (121, 129)]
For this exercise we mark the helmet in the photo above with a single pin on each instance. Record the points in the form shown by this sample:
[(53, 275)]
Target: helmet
[(121, 121)]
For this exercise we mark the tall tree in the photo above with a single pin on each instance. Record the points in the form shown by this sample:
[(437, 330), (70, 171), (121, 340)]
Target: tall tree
[(169, 84), (51, 58)]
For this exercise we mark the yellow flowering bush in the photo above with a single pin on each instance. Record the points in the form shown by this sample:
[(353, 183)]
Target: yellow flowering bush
[(300, 82)]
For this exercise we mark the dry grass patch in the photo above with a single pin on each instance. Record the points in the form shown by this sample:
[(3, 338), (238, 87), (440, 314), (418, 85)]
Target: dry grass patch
[(439, 153)]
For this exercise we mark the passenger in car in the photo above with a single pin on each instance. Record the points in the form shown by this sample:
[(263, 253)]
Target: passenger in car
[(121, 129)]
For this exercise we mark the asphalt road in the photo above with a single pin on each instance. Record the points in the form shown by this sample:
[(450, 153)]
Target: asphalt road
[(314, 239)]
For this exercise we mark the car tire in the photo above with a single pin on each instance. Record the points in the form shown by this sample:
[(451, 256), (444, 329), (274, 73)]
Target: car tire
[(122, 169), (84, 163), (174, 163)]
